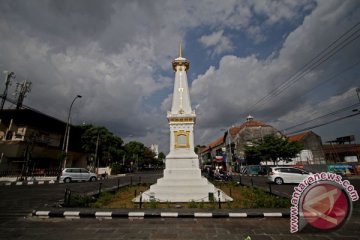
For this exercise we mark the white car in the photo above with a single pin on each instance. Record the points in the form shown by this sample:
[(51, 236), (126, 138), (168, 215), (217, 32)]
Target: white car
[(280, 175), (77, 174)]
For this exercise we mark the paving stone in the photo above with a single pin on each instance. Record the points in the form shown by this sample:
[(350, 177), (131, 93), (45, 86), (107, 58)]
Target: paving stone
[(174, 229), (312, 237)]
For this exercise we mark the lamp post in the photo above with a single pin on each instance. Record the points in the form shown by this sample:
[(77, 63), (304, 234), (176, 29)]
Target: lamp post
[(67, 133)]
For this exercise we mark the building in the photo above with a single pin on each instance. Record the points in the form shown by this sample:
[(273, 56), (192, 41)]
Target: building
[(229, 149), (31, 143), (313, 149), (342, 153), (209, 153), (155, 149), (249, 133)]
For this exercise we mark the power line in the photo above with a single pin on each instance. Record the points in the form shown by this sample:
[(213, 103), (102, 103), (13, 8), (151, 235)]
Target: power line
[(322, 124), (334, 76), (29, 108), (318, 63), (329, 79), (320, 58), (324, 116)]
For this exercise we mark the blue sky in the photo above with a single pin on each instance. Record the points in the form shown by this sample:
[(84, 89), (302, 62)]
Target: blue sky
[(117, 55)]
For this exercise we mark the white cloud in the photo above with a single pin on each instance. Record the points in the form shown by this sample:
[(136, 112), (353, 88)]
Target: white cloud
[(312, 114), (226, 93), (218, 42), (277, 11), (118, 56), (255, 33)]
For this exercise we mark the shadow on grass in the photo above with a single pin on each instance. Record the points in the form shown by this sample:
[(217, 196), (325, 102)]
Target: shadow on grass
[(244, 197)]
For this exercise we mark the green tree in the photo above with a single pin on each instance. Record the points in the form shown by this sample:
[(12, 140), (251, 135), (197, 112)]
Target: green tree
[(109, 146), (161, 159), (134, 154), (161, 156), (272, 148), (253, 155), (149, 157)]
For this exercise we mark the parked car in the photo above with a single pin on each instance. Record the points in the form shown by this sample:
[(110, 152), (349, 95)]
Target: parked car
[(77, 174), (280, 175)]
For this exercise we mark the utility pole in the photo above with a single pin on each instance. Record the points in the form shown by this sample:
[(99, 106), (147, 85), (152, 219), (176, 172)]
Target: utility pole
[(230, 153), (27, 156), (357, 92), (96, 153), (21, 90), (8, 77)]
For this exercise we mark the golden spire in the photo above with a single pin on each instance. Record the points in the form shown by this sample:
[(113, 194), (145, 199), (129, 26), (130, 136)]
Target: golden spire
[(180, 61), (180, 51)]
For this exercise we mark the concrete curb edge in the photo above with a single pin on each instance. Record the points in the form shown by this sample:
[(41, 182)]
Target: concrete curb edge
[(149, 214), (25, 183)]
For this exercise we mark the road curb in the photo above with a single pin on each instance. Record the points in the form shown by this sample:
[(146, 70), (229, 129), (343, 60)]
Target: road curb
[(26, 183), (39, 182), (153, 214)]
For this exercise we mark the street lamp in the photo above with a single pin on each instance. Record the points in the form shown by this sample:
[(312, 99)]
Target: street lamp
[(67, 133)]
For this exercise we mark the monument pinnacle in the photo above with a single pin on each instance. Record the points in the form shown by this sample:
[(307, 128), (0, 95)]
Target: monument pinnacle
[(180, 61), (180, 51)]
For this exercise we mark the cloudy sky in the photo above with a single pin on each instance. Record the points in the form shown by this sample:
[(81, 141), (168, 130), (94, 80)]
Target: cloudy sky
[(284, 62)]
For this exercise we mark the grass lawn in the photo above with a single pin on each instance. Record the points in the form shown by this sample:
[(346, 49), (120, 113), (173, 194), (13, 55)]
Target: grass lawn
[(244, 197)]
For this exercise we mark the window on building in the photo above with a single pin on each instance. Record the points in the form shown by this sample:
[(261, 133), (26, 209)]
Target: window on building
[(20, 133)]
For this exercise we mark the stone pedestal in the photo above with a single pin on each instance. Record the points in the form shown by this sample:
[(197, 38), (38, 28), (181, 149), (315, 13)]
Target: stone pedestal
[(182, 182)]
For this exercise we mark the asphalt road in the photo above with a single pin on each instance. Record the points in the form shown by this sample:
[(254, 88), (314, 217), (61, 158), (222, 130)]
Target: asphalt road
[(156, 229), (22, 200), (284, 190)]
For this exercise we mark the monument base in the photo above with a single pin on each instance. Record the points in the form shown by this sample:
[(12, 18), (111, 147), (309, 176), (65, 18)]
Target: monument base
[(182, 182)]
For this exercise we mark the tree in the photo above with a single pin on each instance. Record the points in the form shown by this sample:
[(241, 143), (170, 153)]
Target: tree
[(272, 148), (109, 147), (161, 159), (134, 153), (198, 148), (149, 158), (161, 156), (253, 155)]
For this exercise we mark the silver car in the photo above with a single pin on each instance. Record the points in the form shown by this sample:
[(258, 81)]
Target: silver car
[(77, 174), (280, 175)]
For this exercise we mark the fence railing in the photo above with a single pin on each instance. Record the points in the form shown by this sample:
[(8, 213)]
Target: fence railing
[(36, 173)]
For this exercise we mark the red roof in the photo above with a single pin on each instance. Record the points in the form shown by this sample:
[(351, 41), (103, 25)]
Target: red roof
[(297, 137), (252, 123), (233, 131), (215, 143)]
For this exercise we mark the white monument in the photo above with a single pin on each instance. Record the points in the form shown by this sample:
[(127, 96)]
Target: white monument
[(182, 180)]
